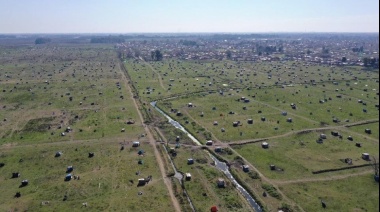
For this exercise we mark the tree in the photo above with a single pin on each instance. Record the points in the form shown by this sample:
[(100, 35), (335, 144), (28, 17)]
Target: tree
[(153, 55), (325, 50), (344, 59), (229, 54), (375, 166), (366, 61), (156, 55), (42, 40)]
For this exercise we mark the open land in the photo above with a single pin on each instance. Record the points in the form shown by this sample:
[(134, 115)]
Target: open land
[(317, 112)]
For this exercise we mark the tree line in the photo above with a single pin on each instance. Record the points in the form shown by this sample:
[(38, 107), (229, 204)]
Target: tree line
[(156, 55), (108, 39), (42, 40)]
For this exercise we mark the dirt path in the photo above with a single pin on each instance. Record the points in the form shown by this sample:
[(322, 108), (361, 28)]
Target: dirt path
[(290, 113), (153, 143), (212, 134), (156, 72), (263, 178), (330, 178), (343, 128)]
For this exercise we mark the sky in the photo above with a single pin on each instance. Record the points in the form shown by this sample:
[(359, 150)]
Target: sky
[(188, 16)]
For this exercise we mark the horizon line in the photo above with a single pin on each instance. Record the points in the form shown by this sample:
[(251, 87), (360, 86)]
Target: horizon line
[(121, 33)]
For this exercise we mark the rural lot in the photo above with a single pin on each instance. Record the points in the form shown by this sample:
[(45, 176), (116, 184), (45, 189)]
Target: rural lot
[(85, 125)]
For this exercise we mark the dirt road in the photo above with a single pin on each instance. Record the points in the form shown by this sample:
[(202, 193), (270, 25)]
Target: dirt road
[(153, 143), (156, 72)]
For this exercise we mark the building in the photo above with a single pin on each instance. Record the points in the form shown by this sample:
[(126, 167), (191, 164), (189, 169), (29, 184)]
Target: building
[(221, 183), (188, 176), (136, 144)]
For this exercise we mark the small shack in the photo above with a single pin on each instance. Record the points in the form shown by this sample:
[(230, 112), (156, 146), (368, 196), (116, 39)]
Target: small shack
[(366, 156), (290, 120), (218, 149), (323, 136), (272, 167), (24, 183), (16, 175), (68, 129), (221, 183), (214, 209), (69, 169), (190, 161), (250, 121), (58, 154), (265, 145), (188, 176), (358, 145), (140, 152), (68, 177), (246, 168), (136, 144), (368, 131), (142, 182), (209, 143), (294, 106)]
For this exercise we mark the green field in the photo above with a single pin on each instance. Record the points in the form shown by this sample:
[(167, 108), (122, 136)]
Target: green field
[(338, 194), (327, 99), (202, 188), (76, 99), (105, 179), (80, 91), (299, 155)]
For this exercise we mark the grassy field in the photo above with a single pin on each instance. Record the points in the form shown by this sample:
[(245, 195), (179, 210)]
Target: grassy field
[(338, 195), (105, 179), (77, 90), (361, 129), (202, 188), (44, 97), (332, 100), (299, 155), (325, 97)]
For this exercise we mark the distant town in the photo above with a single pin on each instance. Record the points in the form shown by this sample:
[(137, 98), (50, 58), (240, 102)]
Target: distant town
[(329, 49)]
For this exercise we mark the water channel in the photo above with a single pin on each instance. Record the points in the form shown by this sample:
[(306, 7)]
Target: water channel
[(218, 164)]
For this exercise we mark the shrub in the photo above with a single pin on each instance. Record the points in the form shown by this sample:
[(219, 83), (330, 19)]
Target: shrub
[(272, 191), (254, 175)]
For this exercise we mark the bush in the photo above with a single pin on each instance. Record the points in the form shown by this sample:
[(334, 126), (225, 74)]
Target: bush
[(42, 40), (272, 191), (254, 175), (286, 208)]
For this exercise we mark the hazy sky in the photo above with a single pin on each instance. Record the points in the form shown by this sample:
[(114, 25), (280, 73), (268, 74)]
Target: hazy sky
[(125, 16)]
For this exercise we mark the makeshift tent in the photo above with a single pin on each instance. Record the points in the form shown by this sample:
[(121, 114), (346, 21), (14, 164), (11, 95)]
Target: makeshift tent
[(190, 161), (69, 169), (68, 177), (214, 209)]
